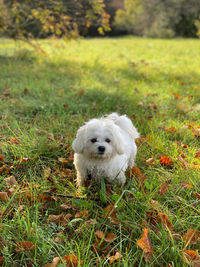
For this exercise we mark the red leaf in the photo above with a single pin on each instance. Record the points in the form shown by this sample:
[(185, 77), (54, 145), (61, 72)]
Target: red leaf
[(71, 260), (166, 161), (1, 158), (171, 129), (197, 155)]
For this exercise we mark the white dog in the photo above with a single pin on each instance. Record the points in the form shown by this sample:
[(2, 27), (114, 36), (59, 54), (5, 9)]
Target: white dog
[(105, 147)]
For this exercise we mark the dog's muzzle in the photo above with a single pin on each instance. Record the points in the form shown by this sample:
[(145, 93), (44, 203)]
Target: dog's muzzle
[(101, 150)]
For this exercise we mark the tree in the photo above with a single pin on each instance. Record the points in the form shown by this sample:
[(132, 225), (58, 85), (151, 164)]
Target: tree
[(42, 18)]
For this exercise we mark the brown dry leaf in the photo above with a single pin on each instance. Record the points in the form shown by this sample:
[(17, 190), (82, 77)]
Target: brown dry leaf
[(51, 137), (1, 260), (115, 257), (1, 158), (110, 237), (145, 244), (191, 237), (25, 90), (67, 207), (71, 260), (186, 184), (166, 161), (196, 132), (111, 212), (99, 234), (24, 245), (171, 129), (11, 191), (184, 162), (197, 195), (197, 154), (60, 219), (47, 172), (10, 181), (81, 92), (24, 159), (191, 257), (54, 262), (163, 188), (137, 172), (150, 161), (82, 214), (165, 221), (4, 196), (65, 106), (63, 160), (2, 168)]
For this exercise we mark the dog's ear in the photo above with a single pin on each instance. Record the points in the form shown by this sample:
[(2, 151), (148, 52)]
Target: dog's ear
[(79, 143), (119, 142)]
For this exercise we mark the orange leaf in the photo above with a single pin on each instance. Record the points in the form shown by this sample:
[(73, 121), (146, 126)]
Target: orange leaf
[(25, 90), (65, 106), (71, 260), (1, 158), (2, 168), (54, 262), (110, 237), (14, 140), (191, 257), (166, 161), (111, 212), (191, 237), (177, 95), (197, 155), (144, 242), (4, 196), (115, 257), (165, 221), (163, 188), (197, 195), (171, 129), (25, 245), (99, 234)]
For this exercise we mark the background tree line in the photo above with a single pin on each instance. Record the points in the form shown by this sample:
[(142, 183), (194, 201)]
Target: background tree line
[(70, 18)]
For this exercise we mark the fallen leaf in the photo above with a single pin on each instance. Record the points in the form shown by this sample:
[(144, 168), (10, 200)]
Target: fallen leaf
[(51, 137), (65, 106), (4, 196), (24, 245), (145, 244), (2, 260), (110, 237), (171, 129), (81, 92), (25, 90), (1, 158), (165, 221), (166, 161), (99, 234), (186, 184), (71, 260), (191, 257), (63, 160), (163, 188), (2, 168), (111, 213), (14, 140), (197, 195), (191, 237), (61, 219), (150, 161), (54, 262), (184, 162), (82, 214), (177, 96), (115, 257), (10, 180), (197, 154)]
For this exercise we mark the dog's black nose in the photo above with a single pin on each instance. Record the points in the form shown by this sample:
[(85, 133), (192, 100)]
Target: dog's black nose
[(101, 149)]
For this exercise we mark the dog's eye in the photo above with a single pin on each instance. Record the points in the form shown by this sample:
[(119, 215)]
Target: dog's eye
[(93, 140), (107, 140)]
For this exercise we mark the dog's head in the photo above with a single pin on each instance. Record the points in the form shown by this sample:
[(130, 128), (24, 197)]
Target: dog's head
[(99, 139)]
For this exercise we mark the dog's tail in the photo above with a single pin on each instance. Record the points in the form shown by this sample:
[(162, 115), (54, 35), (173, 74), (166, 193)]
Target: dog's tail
[(124, 123)]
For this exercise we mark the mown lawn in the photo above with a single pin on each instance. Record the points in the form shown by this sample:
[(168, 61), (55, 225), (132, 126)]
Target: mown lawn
[(45, 98)]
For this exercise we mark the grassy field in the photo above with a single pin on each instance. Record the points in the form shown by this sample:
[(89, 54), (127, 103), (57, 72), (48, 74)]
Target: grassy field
[(45, 98)]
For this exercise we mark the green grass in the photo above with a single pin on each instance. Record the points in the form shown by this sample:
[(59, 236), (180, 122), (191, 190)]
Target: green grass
[(132, 76)]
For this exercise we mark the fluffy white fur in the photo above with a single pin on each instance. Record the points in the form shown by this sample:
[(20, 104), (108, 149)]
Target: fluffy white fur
[(105, 147)]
